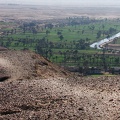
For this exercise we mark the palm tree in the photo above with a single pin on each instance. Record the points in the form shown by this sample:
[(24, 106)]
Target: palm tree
[(61, 37), (47, 32)]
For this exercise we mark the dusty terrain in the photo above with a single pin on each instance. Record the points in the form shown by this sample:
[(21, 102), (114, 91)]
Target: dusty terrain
[(26, 64), (29, 12), (114, 46), (39, 90)]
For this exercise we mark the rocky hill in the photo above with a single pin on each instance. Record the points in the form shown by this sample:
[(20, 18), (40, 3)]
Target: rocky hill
[(32, 88), (27, 65)]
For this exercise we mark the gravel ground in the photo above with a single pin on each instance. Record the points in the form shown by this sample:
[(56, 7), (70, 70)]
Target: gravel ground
[(37, 92), (28, 65)]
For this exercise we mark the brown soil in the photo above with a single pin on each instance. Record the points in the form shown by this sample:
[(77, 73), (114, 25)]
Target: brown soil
[(28, 65), (114, 46), (40, 90), (24, 12)]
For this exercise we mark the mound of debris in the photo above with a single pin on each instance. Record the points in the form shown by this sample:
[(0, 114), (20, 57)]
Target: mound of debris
[(32, 88), (27, 65), (43, 99)]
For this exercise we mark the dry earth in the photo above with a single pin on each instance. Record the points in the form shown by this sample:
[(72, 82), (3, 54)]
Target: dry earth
[(114, 46), (27, 65), (40, 90), (29, 12)]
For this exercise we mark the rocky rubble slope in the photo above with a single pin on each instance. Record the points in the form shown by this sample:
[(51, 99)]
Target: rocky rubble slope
[(27, 65), (38, 90)]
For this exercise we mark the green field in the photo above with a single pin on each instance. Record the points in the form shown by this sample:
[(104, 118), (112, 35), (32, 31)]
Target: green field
[(59, 43)]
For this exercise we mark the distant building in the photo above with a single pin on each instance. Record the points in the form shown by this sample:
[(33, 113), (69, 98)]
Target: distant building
[(95, 70), (115, 70)]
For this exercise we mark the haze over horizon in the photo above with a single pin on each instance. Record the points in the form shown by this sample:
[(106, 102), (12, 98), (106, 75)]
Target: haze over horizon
[(62, 2)]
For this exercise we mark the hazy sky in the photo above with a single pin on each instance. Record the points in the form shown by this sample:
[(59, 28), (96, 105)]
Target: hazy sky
[(64, 2)]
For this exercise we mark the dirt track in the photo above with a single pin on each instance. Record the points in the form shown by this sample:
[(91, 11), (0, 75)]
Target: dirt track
[(59, 96)]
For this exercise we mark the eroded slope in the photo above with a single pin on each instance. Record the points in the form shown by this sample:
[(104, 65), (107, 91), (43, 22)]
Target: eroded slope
[(40, 90)]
